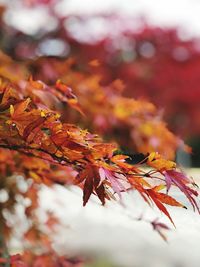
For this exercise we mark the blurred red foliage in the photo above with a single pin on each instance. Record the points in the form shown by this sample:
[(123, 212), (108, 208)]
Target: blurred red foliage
[(159, 65), (155, 64)]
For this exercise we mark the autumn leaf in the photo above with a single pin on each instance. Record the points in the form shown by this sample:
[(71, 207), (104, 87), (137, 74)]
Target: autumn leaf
[(114, 180), (166, 199), (31, 126), (120, 160), (159, 227), (178, 179), (151, 194), (92, 184), (87, 189), (18, 109), (156, 161), (67, 91)]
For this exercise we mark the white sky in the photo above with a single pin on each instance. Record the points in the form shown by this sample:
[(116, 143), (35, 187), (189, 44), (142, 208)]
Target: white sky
[(181, 13)]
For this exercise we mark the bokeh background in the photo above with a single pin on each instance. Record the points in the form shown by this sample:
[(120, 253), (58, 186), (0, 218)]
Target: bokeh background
[(153, 46)]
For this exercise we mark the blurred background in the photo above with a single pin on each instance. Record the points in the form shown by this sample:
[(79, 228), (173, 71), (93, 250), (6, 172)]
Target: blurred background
[(152, 46)]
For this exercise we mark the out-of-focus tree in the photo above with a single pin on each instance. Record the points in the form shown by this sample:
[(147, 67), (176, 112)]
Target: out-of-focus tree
[(43, 140), (154, 63)]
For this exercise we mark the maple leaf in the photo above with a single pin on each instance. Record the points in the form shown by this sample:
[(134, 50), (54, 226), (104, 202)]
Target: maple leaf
[(114, 179), (166, 199), (158, 201), (88, 189), (159, 227), (178, 179), (17, 110), (156, 161), (119, 160), (71, 98), (33, 125), (91, 184)]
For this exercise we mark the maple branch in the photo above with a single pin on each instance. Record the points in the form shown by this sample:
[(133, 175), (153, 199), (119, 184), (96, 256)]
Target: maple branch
[(59, 160)]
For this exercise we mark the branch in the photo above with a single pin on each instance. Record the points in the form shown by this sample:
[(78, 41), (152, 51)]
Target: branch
[(56, 160)]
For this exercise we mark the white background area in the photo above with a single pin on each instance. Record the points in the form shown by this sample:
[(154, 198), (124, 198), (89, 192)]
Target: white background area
[(164, 13)]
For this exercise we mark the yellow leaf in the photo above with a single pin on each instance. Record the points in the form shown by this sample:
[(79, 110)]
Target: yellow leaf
[(156, 161), (12, 110), (42, 114)]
